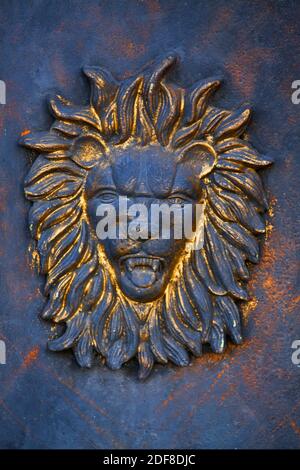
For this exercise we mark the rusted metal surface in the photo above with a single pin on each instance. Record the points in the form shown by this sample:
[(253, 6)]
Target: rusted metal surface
[(247, 396)]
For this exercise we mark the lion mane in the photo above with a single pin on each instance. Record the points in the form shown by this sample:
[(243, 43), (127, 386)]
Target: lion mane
[(199, 305)]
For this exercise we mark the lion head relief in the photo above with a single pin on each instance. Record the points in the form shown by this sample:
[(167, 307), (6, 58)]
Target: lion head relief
[(150, 140)]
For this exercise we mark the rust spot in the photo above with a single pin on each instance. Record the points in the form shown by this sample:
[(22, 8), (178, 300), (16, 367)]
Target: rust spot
[(31, 356), (296, 300), (220, 22), (244, 68), (295, 427), (25, 132), (153, 6), (231, 389)]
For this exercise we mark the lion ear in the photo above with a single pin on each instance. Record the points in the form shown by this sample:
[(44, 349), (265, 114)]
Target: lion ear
[(87, 149), (201, 156)]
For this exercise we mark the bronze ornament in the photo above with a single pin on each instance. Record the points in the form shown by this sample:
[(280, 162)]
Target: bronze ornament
[(150, 139)]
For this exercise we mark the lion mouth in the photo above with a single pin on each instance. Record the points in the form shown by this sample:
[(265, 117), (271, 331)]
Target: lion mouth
[(142, 271)]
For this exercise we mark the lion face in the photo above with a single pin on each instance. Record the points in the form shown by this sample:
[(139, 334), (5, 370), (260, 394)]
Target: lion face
[(143, 265), (144, 296)]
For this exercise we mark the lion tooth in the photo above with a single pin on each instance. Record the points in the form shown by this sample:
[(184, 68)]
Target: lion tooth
[(130, 264), (155, 264)]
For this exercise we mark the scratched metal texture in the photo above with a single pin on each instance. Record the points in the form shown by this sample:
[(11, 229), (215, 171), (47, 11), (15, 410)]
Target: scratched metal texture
[(247, 397)]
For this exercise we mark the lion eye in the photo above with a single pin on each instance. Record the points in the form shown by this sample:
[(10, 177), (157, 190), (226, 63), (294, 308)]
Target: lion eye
[(107, 196), (178, 199)]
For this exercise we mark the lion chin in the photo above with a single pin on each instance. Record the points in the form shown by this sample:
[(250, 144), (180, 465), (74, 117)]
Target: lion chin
[(158, 303)]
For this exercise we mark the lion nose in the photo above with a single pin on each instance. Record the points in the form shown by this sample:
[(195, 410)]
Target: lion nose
[(139, 229)]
